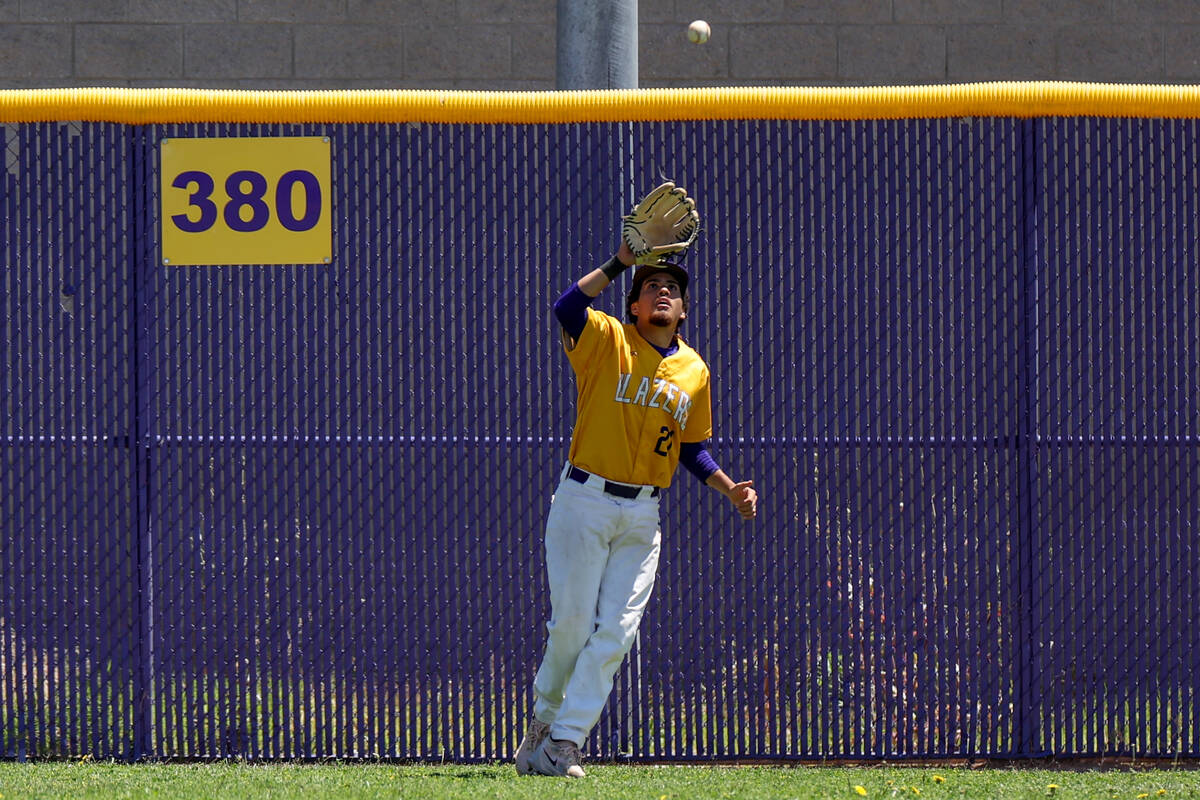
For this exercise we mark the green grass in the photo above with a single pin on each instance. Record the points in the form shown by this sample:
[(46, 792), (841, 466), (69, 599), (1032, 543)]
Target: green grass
[(105, 780)]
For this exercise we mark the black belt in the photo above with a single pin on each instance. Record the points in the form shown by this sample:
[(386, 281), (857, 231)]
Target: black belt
[(617, 489)]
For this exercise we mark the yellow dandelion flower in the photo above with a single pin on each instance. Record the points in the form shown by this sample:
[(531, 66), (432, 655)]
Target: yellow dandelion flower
[(861, 790), (1143, 795), (915, 790), (938, 779), (1160, 792), (1052, 787)]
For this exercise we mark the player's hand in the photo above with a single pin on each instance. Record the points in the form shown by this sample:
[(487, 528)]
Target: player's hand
[(744, 499), (625, 255)]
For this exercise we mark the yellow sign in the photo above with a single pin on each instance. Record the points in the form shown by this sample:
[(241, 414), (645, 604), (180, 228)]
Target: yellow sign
[(246, 201)]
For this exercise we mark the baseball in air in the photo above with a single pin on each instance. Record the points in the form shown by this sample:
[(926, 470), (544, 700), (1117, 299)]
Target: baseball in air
[(698, 32)]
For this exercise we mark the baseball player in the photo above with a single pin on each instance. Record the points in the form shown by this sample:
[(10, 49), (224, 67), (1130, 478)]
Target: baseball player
[(643, 408)]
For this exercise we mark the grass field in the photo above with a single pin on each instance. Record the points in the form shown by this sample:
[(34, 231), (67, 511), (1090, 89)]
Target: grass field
[(62, 780)]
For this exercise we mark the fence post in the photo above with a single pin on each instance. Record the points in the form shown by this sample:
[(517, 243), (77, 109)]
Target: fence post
[(140, 254), (1026, 723)]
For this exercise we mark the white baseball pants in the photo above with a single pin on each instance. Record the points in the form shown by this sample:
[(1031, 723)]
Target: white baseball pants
[(601, 559)]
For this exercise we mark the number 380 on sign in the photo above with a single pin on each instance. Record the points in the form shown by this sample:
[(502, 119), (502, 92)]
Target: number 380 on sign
[(246, 201), (247, 210)]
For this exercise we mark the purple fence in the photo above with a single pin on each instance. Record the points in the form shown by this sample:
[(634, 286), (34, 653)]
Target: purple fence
[(296, 511)]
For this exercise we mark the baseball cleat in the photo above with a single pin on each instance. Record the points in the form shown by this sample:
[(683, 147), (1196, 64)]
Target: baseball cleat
[(534, 735), (557, 757)]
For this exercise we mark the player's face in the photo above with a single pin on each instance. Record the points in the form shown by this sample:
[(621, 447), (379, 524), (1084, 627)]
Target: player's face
[(661, 301)]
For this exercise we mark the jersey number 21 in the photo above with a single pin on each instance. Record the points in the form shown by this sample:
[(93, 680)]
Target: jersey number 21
[(664, 442)]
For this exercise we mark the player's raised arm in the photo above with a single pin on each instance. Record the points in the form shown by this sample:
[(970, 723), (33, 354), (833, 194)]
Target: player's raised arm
[(571, 307), (594, 282)]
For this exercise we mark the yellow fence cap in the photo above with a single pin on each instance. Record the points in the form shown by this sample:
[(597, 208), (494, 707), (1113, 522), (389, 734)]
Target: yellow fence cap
[(1000, 99)]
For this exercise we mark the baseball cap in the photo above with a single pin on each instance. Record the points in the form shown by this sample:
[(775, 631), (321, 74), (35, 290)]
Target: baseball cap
[(646, 270)]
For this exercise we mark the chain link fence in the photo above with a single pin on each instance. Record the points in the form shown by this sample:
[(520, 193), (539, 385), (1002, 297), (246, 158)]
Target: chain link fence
[(296, 511)]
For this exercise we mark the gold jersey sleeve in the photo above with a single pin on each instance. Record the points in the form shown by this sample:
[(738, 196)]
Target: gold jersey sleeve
[(635, 407)]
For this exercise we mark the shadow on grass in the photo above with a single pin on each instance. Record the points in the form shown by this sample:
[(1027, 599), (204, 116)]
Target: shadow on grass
[(469, 775)]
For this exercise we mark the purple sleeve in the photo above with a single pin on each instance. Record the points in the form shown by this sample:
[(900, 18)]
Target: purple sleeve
[(571, 310), (697, 459)]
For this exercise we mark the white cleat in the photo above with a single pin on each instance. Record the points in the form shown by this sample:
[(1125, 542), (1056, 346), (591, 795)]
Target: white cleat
[(534, 735), (557, 757)]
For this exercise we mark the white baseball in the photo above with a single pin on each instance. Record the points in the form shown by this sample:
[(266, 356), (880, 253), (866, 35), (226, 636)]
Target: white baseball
[(698, 32)]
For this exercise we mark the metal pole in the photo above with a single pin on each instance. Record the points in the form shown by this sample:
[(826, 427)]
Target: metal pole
[(597, 44)]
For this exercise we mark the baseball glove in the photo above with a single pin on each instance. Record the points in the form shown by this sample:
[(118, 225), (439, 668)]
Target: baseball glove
[(662, 226)]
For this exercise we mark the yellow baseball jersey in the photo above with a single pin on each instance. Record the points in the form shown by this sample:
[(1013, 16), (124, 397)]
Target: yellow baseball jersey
[(635, 407)]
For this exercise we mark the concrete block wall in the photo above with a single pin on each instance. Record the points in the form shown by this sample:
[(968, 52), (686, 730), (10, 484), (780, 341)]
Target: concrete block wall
[(510, 44)]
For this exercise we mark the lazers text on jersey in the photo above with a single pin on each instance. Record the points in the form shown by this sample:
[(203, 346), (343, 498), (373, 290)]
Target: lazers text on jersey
[(661, 394)]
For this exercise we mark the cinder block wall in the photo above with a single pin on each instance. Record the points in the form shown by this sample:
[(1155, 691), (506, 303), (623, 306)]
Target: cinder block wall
[(510, 44)]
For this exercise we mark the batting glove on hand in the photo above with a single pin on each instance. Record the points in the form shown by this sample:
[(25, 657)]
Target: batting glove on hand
[(663, 225)]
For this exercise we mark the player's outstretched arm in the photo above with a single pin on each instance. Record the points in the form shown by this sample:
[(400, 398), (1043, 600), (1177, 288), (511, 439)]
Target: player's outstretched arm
[(742, 494), (594, 282), (571, 308)]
